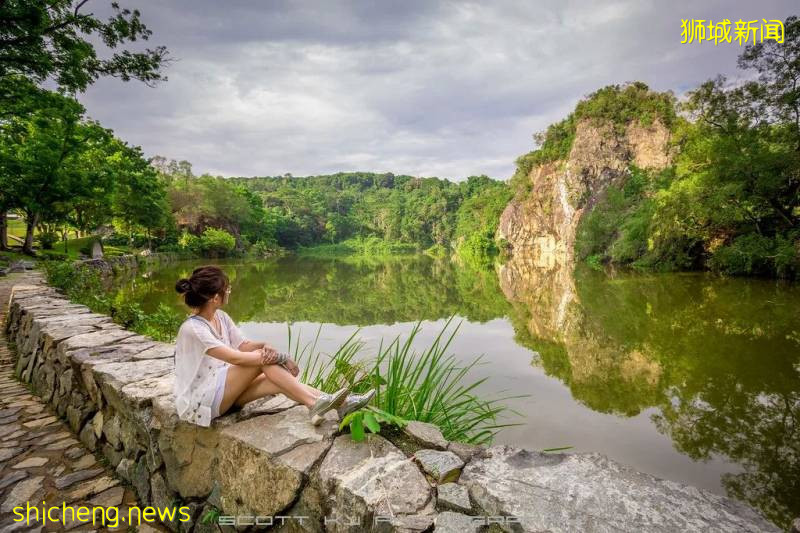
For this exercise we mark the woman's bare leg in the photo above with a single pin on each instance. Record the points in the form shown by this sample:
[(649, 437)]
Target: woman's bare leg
[(244, 384)]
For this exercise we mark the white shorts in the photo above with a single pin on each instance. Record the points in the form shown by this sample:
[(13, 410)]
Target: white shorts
[(223, 374)]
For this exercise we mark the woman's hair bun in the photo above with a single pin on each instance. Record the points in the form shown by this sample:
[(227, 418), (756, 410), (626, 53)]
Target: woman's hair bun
[(204, 283), (183, 286)]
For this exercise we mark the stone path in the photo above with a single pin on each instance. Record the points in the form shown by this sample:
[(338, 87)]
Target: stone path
[(41, 460)]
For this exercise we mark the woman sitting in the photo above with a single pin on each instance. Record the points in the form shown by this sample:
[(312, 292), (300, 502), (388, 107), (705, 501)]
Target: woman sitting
[(216, 367)]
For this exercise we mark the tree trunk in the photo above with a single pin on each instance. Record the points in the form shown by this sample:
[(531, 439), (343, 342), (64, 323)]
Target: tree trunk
[(3, 230), (30, 224)]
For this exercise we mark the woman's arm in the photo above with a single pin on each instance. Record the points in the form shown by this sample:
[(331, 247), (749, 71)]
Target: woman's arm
[(242, 358), (249, 346)]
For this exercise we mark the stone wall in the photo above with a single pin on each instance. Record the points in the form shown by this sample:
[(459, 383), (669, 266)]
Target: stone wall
[(129, 263), (114, 387)]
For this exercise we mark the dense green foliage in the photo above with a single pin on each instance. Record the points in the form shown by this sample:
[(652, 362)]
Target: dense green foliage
[(731, 200), (45, 39), (59, 169), (62, 170), (421, 212), (346, 213)]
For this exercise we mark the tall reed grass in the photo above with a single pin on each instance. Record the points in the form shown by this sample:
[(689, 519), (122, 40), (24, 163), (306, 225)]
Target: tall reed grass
[(429, 386)]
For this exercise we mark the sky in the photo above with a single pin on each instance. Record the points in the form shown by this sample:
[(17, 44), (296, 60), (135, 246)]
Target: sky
[(419, 87)]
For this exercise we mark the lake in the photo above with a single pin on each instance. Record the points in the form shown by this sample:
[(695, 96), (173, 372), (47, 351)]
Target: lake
[(689, 377)]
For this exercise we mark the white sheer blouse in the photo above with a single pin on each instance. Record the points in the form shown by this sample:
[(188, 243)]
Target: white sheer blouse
[(195, 371)]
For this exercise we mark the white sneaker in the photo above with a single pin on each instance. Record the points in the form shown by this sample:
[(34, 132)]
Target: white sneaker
[(354, 402), (325, 403)]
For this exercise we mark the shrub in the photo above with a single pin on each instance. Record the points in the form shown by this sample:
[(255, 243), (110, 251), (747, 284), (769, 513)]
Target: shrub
[(138, 240), (170, 248), (47, 239), (216, 242), (759, 255), (265, 248), (162, 325), (478, 249), (189, 243)]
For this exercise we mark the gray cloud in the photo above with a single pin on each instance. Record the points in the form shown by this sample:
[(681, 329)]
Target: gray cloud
[(427, 88)]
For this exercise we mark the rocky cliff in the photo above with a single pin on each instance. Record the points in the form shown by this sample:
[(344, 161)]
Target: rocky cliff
[(541, 222)]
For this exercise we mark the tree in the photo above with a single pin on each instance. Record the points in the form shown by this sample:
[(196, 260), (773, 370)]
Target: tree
[(139, 198), (35, 151), (739, 169), (778, 66), (43, 39), (19, 99)]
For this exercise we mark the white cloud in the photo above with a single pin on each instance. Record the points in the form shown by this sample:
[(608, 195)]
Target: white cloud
[(429, 88)]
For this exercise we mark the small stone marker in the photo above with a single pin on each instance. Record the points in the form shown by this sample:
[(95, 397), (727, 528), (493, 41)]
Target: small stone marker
[(97, 250)]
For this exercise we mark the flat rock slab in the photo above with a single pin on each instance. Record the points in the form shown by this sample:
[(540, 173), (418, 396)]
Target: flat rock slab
[(281, 432), (441, 466), (266, 406), (98, 338), (589, 492), (21, 493), (141, 393), (31, 462)]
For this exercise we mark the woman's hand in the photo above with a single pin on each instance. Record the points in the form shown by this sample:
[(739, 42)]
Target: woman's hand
[(268, 356), (292, 367)]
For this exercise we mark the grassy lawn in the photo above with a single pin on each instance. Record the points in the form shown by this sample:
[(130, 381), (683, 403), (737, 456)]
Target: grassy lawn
[(73, 250), (16, 228), (74, 246)]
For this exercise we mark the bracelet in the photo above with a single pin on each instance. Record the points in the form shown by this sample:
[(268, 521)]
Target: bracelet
[(282, 358)]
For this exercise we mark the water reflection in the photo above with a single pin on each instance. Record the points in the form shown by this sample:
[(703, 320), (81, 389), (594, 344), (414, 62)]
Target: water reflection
[(719, 359), (686, 376)]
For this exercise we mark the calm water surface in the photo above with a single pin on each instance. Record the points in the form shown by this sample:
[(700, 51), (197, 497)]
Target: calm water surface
[(686, 376)]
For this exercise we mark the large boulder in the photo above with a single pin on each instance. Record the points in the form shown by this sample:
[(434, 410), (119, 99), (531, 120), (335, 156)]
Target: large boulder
[(589, 492), (370, 480), (264, 461)]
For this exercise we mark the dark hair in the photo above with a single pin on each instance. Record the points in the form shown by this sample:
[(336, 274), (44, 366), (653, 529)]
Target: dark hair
[(204, 283)]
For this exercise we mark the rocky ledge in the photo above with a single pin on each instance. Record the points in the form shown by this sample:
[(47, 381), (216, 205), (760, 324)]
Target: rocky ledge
[(266, 464)]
